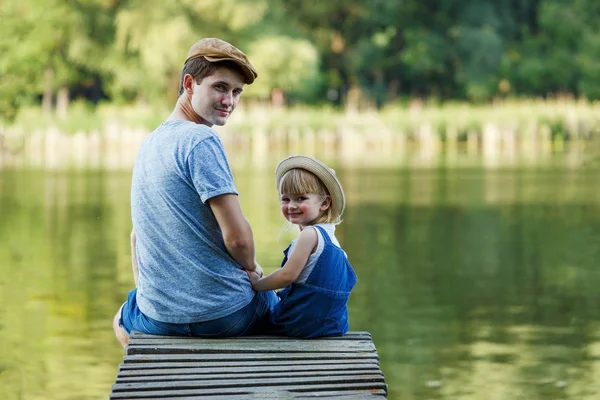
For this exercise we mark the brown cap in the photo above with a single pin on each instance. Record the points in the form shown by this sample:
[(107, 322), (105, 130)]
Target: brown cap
[(215, 50)]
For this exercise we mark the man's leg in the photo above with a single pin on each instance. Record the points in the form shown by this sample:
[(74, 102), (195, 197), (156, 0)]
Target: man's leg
[(120, 333), (265, 301)]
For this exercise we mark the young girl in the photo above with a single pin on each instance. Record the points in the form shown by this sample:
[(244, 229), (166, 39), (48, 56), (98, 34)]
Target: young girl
[(315, 274)]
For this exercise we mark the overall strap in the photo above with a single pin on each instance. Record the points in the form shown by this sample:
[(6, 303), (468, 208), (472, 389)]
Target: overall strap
[(324, 234), (285, 255)]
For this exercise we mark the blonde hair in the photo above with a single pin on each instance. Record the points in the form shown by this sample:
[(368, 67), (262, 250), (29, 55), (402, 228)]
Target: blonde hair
[(298, 180)]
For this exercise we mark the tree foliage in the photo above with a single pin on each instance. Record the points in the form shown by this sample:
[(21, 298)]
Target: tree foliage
[(340, 51), (284, 63)]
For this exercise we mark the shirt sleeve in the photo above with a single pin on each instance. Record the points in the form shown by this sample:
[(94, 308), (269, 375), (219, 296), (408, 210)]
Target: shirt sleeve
[(209, 169)]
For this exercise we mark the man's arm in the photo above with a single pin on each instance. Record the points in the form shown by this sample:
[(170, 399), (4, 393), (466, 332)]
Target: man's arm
[(237, 233)]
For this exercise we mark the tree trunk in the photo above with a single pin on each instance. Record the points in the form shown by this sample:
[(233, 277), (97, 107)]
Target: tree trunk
[(353, 99), (48, 90), (62, 101), (393, 89), (277, 98)]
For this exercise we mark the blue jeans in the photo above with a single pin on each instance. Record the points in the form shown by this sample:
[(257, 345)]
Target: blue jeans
[(247, 321)]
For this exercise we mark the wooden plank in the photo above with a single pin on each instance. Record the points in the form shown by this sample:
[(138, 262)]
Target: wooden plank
[(248, 357), (244, 375), (350, 395), (348, 336), (245, 364), (322, 395), (261, 369), (242, 346), (266, 367), (212, 343), (259, 393), (249, 382)]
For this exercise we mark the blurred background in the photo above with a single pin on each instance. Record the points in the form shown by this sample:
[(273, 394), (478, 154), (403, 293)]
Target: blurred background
[(465, 133)]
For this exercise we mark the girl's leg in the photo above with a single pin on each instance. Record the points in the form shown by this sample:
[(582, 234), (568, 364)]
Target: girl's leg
[(132, 319)]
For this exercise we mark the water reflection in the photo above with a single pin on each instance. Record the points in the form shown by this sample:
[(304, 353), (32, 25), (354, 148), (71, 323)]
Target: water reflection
[(480, 285), (475, 283)]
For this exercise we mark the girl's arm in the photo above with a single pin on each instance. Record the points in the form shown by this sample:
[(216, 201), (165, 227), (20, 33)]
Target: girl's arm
[(305, 245)]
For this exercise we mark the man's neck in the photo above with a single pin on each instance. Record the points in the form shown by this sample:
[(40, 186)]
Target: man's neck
[(183, 111)]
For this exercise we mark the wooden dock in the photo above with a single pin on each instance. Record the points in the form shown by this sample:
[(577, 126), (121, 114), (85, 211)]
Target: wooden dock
[(165, 367)]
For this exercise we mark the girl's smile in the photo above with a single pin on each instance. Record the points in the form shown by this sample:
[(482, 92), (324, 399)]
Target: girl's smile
[(302, 209)]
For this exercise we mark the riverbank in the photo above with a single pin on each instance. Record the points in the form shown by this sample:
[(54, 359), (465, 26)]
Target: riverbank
[(507, 133)]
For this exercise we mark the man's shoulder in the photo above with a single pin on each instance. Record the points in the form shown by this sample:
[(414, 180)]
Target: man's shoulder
[(186, 128), (184, 135)]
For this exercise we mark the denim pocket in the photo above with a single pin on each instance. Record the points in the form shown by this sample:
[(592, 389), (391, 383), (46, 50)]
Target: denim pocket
[(228, 326), (154, 327)]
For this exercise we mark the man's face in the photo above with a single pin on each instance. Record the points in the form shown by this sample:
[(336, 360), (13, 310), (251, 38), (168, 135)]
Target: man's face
[(215, 98)]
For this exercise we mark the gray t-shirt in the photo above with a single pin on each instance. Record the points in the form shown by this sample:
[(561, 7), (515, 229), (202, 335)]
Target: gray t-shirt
[(186, 274)]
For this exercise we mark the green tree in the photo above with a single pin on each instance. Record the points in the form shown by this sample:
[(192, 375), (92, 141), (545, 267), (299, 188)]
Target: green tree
[(153, 37), (45, 50), (351, 52), (286, 66), (559, 49)]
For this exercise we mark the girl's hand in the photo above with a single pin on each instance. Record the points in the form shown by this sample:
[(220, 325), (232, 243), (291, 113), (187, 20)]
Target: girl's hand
[(258, 269), (253, 276)]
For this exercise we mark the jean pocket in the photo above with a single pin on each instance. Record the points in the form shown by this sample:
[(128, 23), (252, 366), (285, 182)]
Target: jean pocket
[(228, 326), (154, 327)]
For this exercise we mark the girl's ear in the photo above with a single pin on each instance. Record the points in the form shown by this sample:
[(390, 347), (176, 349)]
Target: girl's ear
[(325, 204)]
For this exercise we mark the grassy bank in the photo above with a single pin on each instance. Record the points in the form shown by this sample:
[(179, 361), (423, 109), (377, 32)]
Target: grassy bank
[(565, 117), (502, 133)]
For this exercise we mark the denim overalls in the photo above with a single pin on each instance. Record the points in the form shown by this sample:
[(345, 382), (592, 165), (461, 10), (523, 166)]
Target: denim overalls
[(317, 307)]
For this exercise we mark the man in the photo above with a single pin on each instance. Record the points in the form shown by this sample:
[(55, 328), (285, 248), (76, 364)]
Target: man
[(190, 237)]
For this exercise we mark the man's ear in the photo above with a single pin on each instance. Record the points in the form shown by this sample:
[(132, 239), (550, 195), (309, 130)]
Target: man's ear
[(188, 84)]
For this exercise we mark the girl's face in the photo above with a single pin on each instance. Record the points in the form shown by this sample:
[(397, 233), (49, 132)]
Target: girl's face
[(303, 209)]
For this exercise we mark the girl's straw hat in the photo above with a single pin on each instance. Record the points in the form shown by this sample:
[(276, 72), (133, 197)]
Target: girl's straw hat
[(322, 171)]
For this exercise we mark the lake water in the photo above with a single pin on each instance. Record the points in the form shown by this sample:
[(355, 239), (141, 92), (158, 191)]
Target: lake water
[(475, 283)]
